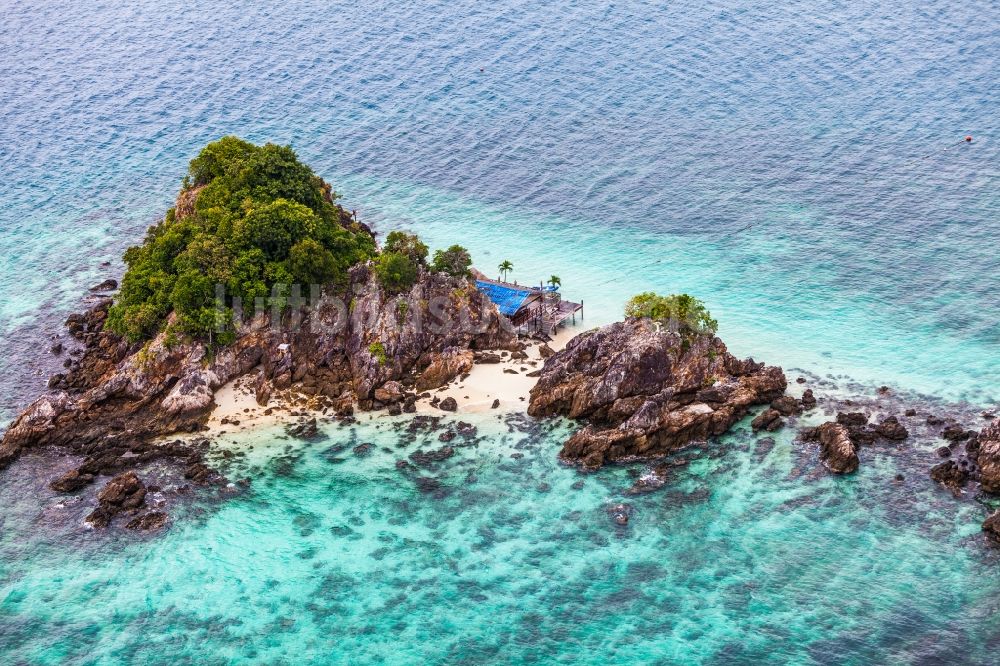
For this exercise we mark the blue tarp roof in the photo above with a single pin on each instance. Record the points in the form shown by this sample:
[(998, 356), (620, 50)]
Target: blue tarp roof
[(507, 299)]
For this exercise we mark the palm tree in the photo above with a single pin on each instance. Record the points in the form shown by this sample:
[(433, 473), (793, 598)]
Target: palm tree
[(505, 267), (555, 281)]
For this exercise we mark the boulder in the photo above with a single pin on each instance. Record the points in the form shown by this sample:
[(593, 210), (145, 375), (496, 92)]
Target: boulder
[(390, 392), (262, 389), (837, 451), (646, 391), (71, 481), (488, 358), (444, 367), (852, 419), (956, 433), (786, 405), (769, 419), (808, 400), (449, 404), (198, 472), (620, 513), (107, 285), (891, 428), (857, 427), (950, 474), (991, 526), (125, 492), (988, 457)]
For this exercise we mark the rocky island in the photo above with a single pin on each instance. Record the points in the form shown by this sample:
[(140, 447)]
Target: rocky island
[(646, 390), (216, 295), (257, 223)]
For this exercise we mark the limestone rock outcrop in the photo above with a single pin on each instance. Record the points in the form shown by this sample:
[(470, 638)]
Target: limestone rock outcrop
[(343, 346), (645, 391)]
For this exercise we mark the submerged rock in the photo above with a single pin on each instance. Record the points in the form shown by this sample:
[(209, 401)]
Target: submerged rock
[(646, 391), (148, 522), (308, 429), (424, 458), (621, 513), (654, 479)]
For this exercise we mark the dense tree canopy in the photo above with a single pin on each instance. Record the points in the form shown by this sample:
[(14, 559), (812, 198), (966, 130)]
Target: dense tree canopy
[(454, 261), (685, 313), (405, 255), (253, 217), (408, 244), (396, 271)]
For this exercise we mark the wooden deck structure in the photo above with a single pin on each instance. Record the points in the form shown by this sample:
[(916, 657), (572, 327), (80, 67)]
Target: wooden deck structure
[(536, 311)]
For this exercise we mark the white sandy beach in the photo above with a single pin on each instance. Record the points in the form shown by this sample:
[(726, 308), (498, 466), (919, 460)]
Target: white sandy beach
[(237, 409)]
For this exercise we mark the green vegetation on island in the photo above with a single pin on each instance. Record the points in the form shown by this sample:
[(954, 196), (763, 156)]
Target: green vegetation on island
[(686, 313), (253, 219)]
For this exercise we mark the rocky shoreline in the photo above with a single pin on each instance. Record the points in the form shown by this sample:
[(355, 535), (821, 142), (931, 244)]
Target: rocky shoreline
[(645, 391), (116, 401), (639, 392)]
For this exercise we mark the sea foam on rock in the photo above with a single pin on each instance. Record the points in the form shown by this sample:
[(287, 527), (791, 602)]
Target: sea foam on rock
[(646, 391)]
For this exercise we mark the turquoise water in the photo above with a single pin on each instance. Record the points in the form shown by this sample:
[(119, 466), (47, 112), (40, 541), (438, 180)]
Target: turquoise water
[(746, 556), (799, 167)]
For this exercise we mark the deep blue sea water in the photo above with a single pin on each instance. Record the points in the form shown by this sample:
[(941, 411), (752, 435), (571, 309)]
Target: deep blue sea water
[(798, 166)]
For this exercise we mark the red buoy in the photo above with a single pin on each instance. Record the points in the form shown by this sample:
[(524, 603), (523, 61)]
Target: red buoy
[(968, 138)]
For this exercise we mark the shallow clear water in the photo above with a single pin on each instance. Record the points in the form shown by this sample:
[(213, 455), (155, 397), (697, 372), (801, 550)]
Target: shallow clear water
[(746, 556), (623, 147)]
